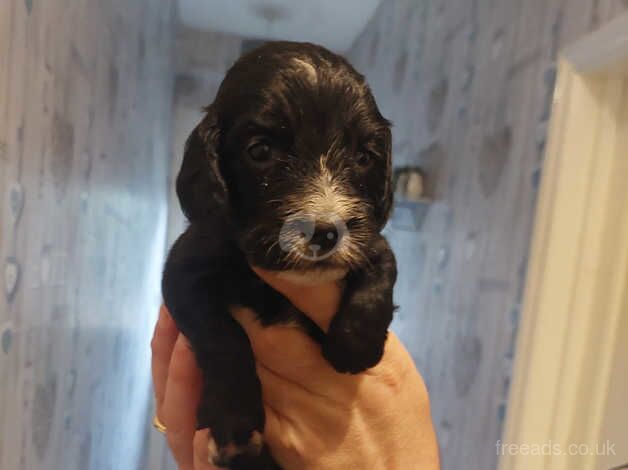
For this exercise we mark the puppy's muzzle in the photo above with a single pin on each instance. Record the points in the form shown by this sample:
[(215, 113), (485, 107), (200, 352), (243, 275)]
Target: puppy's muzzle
[(305, 237)]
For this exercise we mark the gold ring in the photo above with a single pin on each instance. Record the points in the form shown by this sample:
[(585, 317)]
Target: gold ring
[(158, 425)]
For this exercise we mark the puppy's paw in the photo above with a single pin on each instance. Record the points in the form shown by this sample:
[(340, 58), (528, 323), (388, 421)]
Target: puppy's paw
[(225, 456), (351, 348)]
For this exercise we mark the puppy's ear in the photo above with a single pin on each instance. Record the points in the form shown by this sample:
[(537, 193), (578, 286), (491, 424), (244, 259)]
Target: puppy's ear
[(200, 187), (386, 203)]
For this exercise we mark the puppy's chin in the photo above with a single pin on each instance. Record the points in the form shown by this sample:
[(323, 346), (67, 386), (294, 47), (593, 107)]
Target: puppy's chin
[(313, 276)]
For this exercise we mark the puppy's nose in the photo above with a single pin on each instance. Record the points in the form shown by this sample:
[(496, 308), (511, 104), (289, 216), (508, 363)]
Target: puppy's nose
[(325, 238)]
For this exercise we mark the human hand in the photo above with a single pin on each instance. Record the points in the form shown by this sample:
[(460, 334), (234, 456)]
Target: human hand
[(177, 387), (315, 417)]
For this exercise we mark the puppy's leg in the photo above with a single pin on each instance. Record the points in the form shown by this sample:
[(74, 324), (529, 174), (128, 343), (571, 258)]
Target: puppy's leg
[(231, 408), (357, 333), (231, 402)]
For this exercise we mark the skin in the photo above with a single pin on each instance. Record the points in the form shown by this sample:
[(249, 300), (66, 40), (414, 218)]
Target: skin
[(315, 417)]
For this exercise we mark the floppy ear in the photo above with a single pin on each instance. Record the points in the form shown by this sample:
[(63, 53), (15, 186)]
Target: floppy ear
[(386, 203), (200, 187)]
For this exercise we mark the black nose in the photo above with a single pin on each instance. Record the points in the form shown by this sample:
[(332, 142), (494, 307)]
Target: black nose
[(324, 239)]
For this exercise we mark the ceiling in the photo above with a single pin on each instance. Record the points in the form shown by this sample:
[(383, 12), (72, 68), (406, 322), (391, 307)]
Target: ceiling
[(331, 23)]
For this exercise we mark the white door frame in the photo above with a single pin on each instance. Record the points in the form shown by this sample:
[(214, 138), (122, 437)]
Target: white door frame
[(576, 296)]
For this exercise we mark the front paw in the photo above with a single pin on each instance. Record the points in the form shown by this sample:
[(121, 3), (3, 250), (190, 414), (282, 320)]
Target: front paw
[(236, 437), (226, 455), (351, 346), (261, 461)]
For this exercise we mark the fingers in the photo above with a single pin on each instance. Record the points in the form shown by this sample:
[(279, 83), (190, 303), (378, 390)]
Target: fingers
[(320, 302), (181, 400), (162, 344)]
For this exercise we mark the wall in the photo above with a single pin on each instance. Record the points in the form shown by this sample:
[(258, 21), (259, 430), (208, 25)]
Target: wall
[(328, 22), (85, 123), (468, 85)]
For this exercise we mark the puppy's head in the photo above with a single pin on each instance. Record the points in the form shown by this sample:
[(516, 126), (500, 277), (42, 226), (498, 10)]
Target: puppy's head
[(295, 152)]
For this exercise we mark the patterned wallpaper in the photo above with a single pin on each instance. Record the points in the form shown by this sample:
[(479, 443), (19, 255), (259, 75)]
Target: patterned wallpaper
[(85, 120), (468, 85)]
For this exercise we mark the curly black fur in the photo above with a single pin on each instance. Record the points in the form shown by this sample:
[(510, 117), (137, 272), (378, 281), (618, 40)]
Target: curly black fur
[(290, 170)]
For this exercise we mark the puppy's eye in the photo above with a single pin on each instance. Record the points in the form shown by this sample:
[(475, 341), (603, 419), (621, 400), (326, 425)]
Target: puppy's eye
[(260, 152), (365, 159)]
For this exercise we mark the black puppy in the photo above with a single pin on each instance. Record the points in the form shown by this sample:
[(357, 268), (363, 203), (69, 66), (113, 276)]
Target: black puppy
[(290, 170)]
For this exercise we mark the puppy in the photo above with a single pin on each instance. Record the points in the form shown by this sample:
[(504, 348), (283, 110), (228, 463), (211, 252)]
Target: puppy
[(290, 171)]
